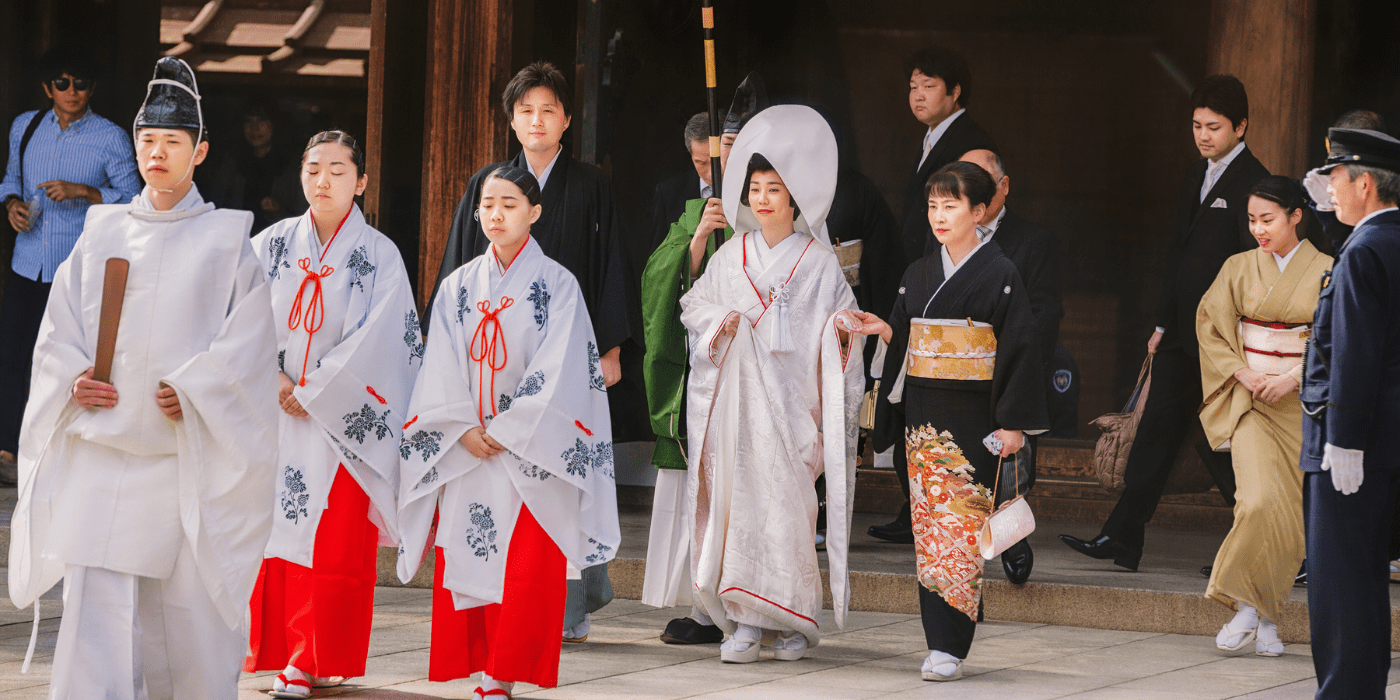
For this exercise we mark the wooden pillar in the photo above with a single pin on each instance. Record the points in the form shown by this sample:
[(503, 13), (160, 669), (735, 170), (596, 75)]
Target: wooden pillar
[(588, 80), (1269, 47), (468, 65)]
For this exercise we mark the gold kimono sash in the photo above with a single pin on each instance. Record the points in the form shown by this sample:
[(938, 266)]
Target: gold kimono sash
[(951, 349)]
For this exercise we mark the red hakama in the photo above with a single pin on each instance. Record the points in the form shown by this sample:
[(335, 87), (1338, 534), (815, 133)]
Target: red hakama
[(319, 619), (517, 640)]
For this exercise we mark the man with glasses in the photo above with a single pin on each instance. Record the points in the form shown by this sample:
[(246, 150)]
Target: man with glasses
[(62, 161)]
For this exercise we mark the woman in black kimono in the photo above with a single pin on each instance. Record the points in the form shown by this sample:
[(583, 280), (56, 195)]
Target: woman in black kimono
[(961, 365)]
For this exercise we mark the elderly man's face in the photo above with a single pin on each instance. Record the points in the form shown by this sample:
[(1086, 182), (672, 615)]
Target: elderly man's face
[(984, 159), (71, 100)]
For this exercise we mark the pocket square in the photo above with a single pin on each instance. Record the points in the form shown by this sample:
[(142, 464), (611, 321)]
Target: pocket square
[(1219, 203)]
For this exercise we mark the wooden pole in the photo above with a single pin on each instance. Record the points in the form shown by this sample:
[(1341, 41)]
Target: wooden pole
[(707, 20)]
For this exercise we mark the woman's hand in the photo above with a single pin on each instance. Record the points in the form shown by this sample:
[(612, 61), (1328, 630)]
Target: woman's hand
[(1273, 389), (169, 402), (480, 444), (1011, 442), (1251, 379), (869, 324), (90, 393), (289, 403)]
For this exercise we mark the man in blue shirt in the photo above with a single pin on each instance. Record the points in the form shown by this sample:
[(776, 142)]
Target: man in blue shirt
[(73, 159)]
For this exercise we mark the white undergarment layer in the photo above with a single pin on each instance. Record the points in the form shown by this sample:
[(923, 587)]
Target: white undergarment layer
[(126, 637)]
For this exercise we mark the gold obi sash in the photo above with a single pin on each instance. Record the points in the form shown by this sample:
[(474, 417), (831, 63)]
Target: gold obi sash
[(848, 256), (1273, 348), (951, 349)]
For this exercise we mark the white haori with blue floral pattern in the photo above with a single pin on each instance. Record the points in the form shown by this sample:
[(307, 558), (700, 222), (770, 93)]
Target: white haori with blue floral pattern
[(360, 367), (546, 408)]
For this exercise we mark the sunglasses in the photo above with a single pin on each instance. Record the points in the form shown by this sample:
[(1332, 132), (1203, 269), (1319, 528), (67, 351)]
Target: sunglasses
[(80, 84)]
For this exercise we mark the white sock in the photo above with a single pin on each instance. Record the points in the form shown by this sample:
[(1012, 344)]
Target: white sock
[(489, 683), (742, 638), (699, 616), (1267, 639), (937, 659), (788, 639), (581, 629), (1245, 617)]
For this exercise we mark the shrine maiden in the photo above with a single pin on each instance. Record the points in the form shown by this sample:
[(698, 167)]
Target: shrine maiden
[(349, 349), (509, 442)]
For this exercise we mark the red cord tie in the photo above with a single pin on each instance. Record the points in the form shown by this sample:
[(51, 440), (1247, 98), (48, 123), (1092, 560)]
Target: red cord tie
[(488, 332), (586, 431), (381, 399), (315, 311), (411, 421)]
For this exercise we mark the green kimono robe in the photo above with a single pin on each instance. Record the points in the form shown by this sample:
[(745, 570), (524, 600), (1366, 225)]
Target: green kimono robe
[(667, 362)]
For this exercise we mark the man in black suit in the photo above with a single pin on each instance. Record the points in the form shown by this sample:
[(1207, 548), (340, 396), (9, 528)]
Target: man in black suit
[(1212, 225), (940, 88), (668, 204)]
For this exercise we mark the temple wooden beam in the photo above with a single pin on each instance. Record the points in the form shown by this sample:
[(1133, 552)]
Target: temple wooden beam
[(1269, 46), (469, 60)]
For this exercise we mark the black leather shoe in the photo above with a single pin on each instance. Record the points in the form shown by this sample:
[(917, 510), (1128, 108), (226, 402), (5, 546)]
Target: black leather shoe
[(1302, 578), (1105, 547), (1017, 561), (1205, 570), (896, 532), (684, 630)]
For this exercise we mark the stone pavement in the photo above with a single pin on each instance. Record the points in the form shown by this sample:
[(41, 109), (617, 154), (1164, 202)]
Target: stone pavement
[(876, 657)]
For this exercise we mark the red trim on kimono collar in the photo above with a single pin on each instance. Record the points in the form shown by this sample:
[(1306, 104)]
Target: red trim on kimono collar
[(497, 258), (327, 247)]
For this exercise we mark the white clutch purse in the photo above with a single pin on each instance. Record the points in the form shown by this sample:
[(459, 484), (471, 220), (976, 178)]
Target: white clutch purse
[(1007, 525)]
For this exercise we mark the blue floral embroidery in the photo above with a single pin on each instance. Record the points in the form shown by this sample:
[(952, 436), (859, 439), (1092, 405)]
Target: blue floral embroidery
[(503, 403), (540, 295), (429, 478), (411, 338), (531, 385), (481, 536), (360, 423), (463, 308), (600, 553), (294, 496), (577, 459), (595, 369), (278, 247), (360, 267), (424, 442), (603, 458), (282, 361)]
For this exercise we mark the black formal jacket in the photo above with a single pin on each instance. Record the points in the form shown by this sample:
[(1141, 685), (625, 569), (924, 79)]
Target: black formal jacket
[(1351, 377), (1036, 253), (668, 204), (1205, 236), (963, 135)]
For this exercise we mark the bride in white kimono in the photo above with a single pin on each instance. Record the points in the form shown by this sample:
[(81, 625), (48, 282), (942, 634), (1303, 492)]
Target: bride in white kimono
[(510, 444), (773, 393), (349, 350)]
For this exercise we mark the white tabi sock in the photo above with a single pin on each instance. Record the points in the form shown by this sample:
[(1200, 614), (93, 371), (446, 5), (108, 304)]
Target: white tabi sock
[(489, 683), (699, 616), (941, 663), (742, 638)]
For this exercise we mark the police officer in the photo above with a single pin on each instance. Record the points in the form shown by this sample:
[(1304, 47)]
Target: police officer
[(1351, 432)]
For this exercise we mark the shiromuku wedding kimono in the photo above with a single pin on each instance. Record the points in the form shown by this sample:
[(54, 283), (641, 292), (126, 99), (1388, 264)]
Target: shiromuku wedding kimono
[(347, 334), (156, 525), (511, 350), (1257, 316), (962, 363), (773, 396)]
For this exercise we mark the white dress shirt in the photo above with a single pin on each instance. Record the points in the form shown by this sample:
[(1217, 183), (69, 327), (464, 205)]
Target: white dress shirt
[(985, 233), (935, 133), (1216, 168)]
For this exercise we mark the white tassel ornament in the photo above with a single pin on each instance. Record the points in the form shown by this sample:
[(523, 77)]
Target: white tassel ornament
[(780, 337)]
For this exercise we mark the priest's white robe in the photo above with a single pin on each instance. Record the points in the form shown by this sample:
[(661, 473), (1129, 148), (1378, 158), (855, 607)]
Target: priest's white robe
[(545, 402), (125, 492), (358, 366), (764, 424)]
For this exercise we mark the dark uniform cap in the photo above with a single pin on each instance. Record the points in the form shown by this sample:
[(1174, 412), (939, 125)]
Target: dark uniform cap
[(1362, 147), (168, 106), (750, 98)]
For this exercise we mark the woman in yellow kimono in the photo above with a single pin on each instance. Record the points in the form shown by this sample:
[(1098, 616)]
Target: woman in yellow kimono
[(1252, 326)]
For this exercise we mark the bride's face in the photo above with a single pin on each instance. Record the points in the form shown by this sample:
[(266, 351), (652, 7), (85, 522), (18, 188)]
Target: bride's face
[(769, 198)]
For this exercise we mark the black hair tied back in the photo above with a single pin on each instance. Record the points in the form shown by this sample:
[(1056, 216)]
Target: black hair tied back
[(357, 154), (524, 180), (1283, 191)]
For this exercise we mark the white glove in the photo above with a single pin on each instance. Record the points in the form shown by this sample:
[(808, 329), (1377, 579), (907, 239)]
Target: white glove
[(1345, 466), (1316, 185)]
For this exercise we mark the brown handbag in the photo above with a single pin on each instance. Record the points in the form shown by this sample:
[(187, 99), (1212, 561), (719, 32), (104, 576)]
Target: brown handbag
[(1188, 474)]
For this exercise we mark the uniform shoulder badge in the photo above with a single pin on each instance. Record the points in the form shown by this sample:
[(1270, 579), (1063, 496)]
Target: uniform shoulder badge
[(1062, 380)]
